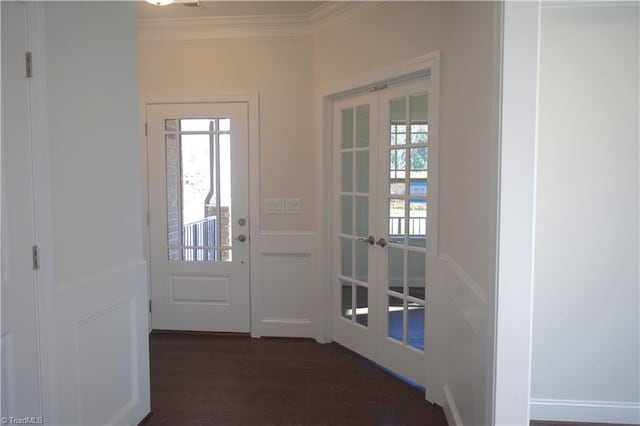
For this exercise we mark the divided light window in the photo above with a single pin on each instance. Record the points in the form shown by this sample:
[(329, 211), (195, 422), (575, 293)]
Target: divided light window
[(198, 161)]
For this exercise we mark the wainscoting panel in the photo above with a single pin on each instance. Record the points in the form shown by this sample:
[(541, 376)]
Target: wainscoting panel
[(102, 351), (466, 381), (282, 279)]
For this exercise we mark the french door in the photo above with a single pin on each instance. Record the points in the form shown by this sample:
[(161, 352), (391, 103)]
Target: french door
[(199, 209), (381, 143)]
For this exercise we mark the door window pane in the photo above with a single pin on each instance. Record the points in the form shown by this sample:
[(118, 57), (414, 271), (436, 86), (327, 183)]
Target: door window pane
[(170, 125), (395, 319), (347, 171), (397, 163), (362, 216), (225, 214), (362, 171), (197, 125), (419, 122), (397, 188), (398, 111), (396, 269), (362, 305), (418, 163), (397, 221), (417, 223), (362, 125), (415, 325), (225, 124), (347, 128), (346, 257), (173, 193), (346, 214), (347, 297), (416, 272), (362, 261)]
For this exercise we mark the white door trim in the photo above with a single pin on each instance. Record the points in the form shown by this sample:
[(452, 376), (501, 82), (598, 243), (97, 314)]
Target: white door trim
[(427, 64), (42, 211), (513, 301), (252, 98)]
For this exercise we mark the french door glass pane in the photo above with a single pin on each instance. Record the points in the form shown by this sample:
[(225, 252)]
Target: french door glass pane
[(419, 123), (346, 293), (362, 262), (418, 223), (347, 171), (396, 269), (395, 319), (398, 122), (362, 305), (415, 326), (362, 216), (346, 214), (346, 254), (362, 125), (416, 273), (347, 128), (362, 171), (397, 220)]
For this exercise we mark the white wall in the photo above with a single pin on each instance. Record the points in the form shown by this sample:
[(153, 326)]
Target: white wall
[(586, 330), (281, 70), (100, 304), (466, 34)]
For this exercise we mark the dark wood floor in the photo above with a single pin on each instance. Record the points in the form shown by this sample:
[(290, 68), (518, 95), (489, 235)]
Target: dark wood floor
[(225, 380)]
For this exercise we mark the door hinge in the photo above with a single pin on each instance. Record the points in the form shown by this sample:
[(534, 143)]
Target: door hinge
[(148, 218), (35, 252), (146, 130), (149, 306), (28, 61)]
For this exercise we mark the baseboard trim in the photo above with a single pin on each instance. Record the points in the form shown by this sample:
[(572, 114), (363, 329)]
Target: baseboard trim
[(286, 327), (450, 409), (585, 411)]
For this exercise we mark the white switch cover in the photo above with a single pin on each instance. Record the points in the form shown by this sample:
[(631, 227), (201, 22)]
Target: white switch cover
[(273, 205), (292, 205)]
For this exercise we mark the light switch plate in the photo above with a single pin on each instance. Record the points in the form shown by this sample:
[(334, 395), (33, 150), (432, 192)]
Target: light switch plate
[(273, 205), (292, 205)]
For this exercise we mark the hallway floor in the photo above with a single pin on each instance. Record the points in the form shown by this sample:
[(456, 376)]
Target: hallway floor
[(199, 379)]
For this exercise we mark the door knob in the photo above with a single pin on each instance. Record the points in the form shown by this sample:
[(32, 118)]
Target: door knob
[(381, 242), (371, 240), (242, 238)]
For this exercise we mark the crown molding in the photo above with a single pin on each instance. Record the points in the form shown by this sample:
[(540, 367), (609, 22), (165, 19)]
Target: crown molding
[(318, 20), (583, 4), (333, 13), (225, 27)]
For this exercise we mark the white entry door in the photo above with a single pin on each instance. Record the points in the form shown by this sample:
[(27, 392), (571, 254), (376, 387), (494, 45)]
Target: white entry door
[(20, 363), (199, 216), (381, 143)]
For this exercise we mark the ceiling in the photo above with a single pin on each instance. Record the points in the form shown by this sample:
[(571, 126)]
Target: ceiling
[(179, 9)]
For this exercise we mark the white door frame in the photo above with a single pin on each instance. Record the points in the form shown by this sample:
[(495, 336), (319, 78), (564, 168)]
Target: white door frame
[(399, 72), (42, 212), (252, 98)]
